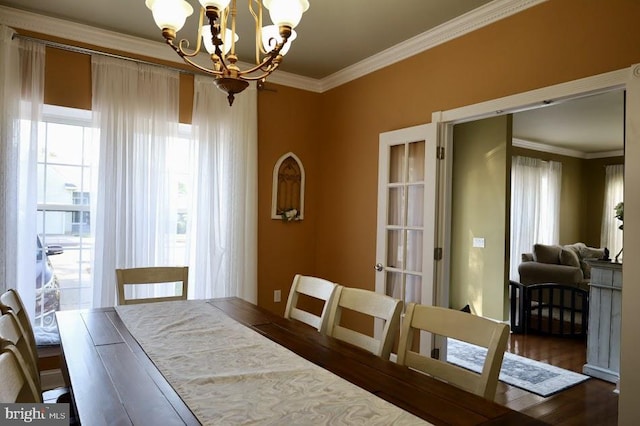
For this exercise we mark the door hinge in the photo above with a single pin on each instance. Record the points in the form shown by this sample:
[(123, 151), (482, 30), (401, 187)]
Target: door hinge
[(440, 153), (435, 353), (437, 253)]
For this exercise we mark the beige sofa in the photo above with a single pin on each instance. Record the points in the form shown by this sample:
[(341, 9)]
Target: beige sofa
[(552, 296), (558, 264)]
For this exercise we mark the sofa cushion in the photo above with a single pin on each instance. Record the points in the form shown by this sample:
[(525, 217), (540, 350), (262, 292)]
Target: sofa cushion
[(543, 253), (569, 257)]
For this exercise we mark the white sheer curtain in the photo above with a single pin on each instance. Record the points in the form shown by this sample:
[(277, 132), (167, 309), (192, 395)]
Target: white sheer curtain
[(535, 206), (611, 235), (21, 99), (135, 108), (223, 226)]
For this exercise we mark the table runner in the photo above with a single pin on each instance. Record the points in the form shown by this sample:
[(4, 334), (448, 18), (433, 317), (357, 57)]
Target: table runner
[(227, 373)]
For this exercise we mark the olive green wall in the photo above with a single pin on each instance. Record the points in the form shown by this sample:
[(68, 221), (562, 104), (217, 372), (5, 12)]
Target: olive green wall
[(480, 195)]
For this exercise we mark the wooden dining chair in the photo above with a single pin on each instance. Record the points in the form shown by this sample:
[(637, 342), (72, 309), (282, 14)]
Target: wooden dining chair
[(11, 300), (373, 304), (17, 383), (462, 326), (11, 331), (159, 275), (316, 288)]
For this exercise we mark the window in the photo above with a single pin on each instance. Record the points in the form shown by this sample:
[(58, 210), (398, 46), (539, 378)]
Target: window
[(66, 170), (611, 234), (535, 206)]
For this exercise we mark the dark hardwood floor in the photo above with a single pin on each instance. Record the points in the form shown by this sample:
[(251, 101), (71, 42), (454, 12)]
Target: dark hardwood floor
[(590, 403)]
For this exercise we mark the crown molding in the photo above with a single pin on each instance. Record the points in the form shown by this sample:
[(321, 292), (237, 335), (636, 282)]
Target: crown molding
[(297, 81), (23, 20), (537, 146), (471, 21), (457, 27)]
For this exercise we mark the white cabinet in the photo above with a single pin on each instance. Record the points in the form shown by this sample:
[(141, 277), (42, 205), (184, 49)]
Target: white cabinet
[(605, 305)]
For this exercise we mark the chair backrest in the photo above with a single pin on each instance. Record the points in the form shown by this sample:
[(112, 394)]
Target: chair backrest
[(17, 384), (11, 331), (11, 300), (370, 303), (462, 326), (317, 288), (154, 275)]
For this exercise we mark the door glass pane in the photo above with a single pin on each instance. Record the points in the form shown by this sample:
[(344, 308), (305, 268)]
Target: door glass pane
[(414, 251), (396, 164), (415, 208), (396, 204), (416, 161), (394, 285), (413, 290), (395, 249)]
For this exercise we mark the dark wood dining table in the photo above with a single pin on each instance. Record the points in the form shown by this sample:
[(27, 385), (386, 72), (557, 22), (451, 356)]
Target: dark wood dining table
[(113, 381)]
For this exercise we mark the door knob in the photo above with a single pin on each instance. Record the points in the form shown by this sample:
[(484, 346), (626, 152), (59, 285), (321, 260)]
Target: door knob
[(378, 267)]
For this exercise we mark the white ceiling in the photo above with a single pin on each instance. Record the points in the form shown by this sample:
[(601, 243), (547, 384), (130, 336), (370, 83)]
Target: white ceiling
[(335, 34), (591, 124)]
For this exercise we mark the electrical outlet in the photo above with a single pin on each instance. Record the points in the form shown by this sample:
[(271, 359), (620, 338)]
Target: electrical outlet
[(478, 242), (276, 296)]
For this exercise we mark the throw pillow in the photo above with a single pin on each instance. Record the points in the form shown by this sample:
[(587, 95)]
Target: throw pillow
[(589, 253), (547, 254), (569, 257)]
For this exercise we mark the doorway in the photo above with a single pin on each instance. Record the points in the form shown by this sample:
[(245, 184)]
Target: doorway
[(521, 107), (560, 153), (511, 105)]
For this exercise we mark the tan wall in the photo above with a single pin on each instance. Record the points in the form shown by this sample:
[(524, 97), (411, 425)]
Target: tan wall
[(481, 163), (67, 82), (289, 120), (544, 45)]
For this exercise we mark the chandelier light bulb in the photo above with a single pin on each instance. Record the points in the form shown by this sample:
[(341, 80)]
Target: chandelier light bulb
[(208, 42), (169, 14), (286, 12)]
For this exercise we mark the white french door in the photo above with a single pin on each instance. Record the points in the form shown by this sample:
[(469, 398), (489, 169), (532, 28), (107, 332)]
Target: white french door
[(406, 216)]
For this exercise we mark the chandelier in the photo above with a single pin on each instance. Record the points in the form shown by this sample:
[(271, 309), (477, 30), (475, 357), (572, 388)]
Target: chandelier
[(219, 37)]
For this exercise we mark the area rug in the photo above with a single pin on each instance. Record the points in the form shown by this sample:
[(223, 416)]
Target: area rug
[(532, 376)]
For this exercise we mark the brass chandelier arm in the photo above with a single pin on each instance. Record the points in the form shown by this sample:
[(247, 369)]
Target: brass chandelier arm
[(184, 43), (262, 76), (267, 66), (257, 17), (186, 59), (271, 57)]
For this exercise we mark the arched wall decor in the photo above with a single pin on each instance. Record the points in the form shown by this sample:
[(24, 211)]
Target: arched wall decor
[(287, 199)]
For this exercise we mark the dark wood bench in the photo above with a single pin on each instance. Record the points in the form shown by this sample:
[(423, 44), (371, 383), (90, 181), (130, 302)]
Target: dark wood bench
[(549, 308)]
